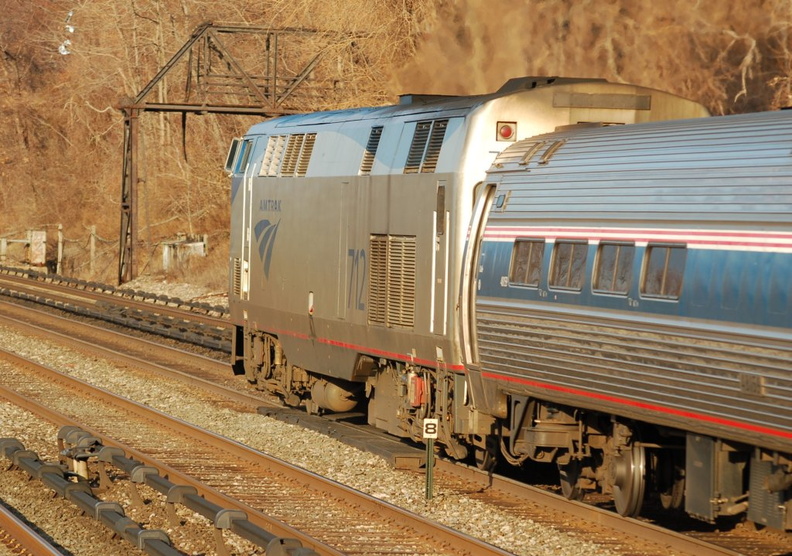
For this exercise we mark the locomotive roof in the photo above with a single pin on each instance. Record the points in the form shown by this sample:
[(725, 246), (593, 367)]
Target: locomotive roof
[(414, 104)]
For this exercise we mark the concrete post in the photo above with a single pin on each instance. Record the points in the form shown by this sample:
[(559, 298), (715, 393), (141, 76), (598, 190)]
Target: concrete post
[(92, 242), (59, 260)]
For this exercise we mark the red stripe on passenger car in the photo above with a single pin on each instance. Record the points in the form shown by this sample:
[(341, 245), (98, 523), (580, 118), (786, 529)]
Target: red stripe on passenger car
[(640, 405), (766, 240), (550, 230)]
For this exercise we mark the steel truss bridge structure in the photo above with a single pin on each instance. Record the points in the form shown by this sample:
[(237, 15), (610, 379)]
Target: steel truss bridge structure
[(217, 82)]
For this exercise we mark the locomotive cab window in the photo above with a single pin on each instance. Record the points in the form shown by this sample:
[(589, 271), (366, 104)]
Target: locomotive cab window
[(568, 266), (664, 267), (526, 264), (613, 268), (232, 154), (238, 154)]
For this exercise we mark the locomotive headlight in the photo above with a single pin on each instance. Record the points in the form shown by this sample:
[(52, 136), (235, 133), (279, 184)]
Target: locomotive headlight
[(506, 131)]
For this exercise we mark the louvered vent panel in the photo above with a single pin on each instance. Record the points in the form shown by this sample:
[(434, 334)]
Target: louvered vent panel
[(236, 286), (417, 148), (305, 154), (435, 142), (371, 150), (273, 157), (268, 153), (293, 148), (378, 273), (392, 281), (401, 281)]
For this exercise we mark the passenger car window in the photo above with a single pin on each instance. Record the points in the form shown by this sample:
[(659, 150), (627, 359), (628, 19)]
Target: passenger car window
[(526, 265), (568, 267), (613, 268), (664, 267)]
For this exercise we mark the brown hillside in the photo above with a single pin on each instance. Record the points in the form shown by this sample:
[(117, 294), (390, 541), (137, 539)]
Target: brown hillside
[(62, 134), (730, 56)]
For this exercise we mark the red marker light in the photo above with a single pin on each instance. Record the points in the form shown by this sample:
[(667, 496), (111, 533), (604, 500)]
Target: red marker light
[(507, 131)]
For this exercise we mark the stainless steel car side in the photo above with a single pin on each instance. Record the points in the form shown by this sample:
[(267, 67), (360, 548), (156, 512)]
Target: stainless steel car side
[(630, 311)]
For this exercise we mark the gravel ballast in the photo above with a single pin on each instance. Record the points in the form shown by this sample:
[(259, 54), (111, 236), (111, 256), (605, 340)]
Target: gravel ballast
[(308, 449)]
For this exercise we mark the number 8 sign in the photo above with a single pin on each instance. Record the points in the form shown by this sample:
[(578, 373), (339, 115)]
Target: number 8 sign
[(430, 428)]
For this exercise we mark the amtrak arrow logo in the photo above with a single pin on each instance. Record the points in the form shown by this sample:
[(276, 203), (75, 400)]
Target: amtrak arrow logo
[(265, 236)]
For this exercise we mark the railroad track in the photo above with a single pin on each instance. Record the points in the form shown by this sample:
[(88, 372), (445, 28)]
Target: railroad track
[(195, 323), (100, 341), (491, 488), (64, 290), (21, 539), (324, 515), (198, 372)]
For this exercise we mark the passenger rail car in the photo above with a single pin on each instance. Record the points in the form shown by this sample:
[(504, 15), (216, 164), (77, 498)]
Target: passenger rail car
[(347, 235), (627, 311)]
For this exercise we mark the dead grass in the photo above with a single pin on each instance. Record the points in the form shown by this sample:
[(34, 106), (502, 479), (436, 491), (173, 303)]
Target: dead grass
[(61, 149)]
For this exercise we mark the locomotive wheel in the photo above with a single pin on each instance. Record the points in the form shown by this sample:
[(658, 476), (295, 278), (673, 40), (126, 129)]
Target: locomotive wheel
[(486, 455), (672, 491), (629, 481), (672, 498), (569, 475), (485, 459)]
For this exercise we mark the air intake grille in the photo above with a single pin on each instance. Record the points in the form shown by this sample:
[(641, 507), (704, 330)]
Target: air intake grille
[(273, 155), (392, 281), (305, 155), (433, 149), (236, 286), (425, 147), (417, 148), (293, 148), (371, 150), (288, 155)]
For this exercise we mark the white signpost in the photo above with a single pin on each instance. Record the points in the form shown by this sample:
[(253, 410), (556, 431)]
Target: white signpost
[(430, 427)]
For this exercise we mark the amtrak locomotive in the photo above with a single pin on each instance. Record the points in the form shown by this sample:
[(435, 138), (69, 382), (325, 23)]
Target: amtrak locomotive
[(610, 299)]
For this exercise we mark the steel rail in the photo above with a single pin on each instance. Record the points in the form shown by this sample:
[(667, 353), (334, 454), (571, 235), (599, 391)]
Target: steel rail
[(88, 298), (60, 420), (13, 314), (22, 539), (635, 528), (92, 348), (441, 535), (628, 526)]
